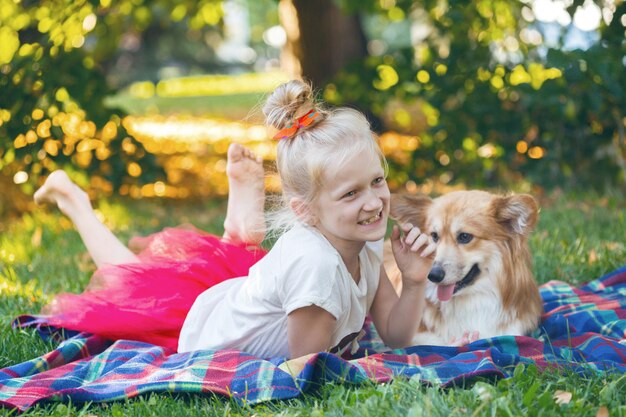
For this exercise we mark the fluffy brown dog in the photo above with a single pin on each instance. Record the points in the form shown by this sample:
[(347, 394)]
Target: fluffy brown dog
[(481, 280)]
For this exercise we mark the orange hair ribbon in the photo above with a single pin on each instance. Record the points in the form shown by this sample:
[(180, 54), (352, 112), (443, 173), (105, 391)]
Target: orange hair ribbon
[(291, 130)]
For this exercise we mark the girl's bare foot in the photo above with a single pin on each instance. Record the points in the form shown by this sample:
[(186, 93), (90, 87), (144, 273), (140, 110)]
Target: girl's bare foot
[(60, 190), (100, 242), (245, 219)]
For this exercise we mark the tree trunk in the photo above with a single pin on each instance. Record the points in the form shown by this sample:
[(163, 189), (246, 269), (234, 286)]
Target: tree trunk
[(321, 39)]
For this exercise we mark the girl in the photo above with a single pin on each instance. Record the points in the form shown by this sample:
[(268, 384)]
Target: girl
[(310, 293)]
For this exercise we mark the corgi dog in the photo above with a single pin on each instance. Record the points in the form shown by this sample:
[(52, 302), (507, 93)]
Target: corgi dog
[(481, 281)]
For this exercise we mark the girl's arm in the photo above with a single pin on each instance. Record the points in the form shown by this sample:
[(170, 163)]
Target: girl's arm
[(309, 330), (397, 319)]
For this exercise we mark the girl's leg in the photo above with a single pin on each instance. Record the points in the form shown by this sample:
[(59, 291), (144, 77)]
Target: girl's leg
[(245, 219), (100, 242)]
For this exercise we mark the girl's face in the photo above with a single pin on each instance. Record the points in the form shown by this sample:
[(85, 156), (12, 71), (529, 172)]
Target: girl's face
[(353, 204)]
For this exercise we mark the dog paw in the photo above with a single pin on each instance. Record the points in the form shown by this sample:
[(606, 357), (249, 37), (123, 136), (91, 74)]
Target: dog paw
[(466, 339)]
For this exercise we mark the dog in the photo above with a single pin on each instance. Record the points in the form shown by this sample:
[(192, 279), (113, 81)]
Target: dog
[(481, 282)]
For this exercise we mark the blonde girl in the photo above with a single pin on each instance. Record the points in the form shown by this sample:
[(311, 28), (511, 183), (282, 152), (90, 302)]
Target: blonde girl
[(312, 291)]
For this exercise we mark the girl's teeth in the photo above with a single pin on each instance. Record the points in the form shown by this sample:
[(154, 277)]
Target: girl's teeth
[(371, 220)]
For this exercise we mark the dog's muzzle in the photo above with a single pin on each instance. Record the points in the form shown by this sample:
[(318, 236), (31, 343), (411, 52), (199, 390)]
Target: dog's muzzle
[(437, 275)]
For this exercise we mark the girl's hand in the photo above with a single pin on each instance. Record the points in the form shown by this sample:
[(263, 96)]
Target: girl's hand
[(413, 251)]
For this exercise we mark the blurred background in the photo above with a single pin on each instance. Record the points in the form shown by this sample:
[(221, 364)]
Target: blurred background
[(140, 98)]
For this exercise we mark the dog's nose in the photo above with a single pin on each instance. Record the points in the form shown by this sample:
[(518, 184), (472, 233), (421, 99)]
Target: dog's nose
[(436, 274)]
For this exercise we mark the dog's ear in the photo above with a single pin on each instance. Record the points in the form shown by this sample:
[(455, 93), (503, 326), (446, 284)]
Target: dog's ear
[(518, 213), (410, 208)]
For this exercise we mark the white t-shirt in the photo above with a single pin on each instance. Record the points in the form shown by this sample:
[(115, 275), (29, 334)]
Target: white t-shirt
[(302, 269)]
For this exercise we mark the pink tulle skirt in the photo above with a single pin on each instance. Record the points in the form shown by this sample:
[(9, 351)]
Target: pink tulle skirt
[(148, 301)]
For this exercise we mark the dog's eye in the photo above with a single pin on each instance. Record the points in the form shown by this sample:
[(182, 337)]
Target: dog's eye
[(435, 236), (464, 238)]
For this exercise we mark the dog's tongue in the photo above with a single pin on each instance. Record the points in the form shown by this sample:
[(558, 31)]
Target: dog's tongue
[(444, 292)]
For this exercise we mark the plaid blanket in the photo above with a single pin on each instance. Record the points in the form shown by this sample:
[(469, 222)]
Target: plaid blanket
[(583, 329)]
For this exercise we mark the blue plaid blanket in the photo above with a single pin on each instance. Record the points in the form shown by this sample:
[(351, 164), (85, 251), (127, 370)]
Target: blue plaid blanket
[(583, 329)]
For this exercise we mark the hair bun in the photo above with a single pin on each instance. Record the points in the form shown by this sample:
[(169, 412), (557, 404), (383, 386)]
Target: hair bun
[(289, 101)]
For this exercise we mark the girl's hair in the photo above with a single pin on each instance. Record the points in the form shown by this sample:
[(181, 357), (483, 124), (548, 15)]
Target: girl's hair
[(301, 160)]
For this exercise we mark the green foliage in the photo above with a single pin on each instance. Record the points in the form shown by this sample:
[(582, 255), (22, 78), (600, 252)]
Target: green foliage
[(53, 78), (490, 104)]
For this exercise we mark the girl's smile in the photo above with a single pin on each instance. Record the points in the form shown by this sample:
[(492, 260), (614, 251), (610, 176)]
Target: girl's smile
[(372, 220)]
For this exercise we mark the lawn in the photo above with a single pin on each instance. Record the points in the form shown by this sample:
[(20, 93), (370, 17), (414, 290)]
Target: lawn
[(577, 239)]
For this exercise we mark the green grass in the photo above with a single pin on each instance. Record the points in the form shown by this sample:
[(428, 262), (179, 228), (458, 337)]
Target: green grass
[(233, 107), (576, 240)]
